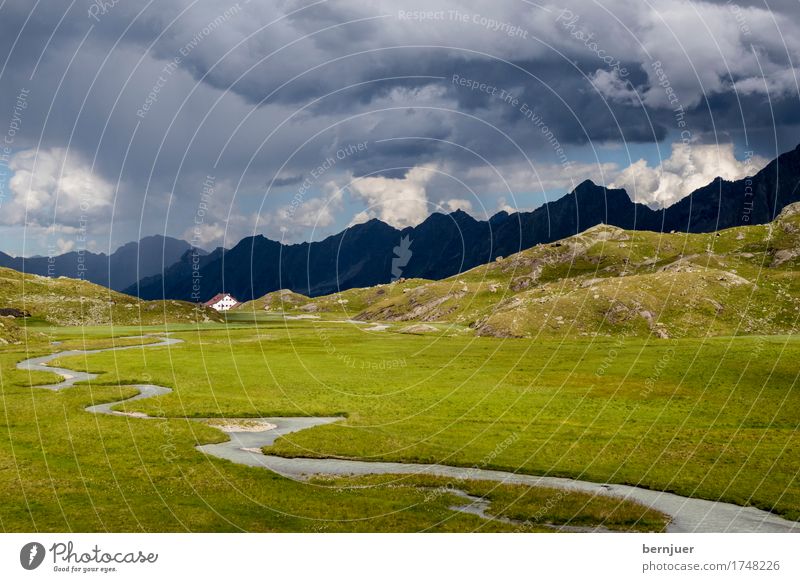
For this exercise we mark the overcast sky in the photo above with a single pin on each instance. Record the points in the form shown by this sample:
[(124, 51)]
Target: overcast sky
[(213, 120)]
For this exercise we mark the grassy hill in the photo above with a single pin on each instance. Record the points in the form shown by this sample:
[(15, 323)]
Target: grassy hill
[(277, 301), (64, 301), (604, 281)]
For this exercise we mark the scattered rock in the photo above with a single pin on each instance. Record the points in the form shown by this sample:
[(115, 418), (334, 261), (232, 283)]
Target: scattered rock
[(521, 283), (784, 256), (591, 282), (789, 210), (733, 278)]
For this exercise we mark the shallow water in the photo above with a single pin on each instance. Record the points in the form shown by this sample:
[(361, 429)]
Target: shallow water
[(688, 514)]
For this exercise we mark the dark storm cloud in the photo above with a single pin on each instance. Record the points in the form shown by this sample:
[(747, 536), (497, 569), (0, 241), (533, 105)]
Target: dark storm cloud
[(768, 126), (228, 89)]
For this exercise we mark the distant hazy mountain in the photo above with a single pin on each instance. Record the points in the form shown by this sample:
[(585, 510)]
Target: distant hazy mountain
[(444, 245), (119, 270)]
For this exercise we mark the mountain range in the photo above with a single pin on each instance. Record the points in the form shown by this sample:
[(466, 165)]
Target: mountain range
[(371, 253), (605, 281), (446, 244), (118, 270)]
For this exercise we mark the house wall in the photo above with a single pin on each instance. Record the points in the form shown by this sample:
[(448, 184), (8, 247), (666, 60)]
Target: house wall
[(224, 304)]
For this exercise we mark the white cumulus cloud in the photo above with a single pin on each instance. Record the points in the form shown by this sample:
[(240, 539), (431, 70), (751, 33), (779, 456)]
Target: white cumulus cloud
[(613, 87), (457, 204), (314, 212), (65, 246), (400, 202), (690, 166), (54, 188)]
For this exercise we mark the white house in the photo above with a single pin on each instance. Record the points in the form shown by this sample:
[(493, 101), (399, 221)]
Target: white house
[(222, 302)]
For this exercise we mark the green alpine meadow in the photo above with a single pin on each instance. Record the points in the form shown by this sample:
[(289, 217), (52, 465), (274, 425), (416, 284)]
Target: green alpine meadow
[(660, 362)]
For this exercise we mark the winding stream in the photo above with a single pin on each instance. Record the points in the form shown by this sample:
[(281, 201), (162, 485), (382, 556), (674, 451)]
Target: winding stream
[(244, 447)]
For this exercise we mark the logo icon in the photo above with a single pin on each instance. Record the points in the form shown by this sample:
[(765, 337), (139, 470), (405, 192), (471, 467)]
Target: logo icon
[(402, 254), (31, 555)]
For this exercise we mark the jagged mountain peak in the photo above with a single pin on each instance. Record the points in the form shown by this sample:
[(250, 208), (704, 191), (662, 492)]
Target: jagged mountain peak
[(446, 244)]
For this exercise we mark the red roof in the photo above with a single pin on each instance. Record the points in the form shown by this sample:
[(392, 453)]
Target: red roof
[(219, 297)]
